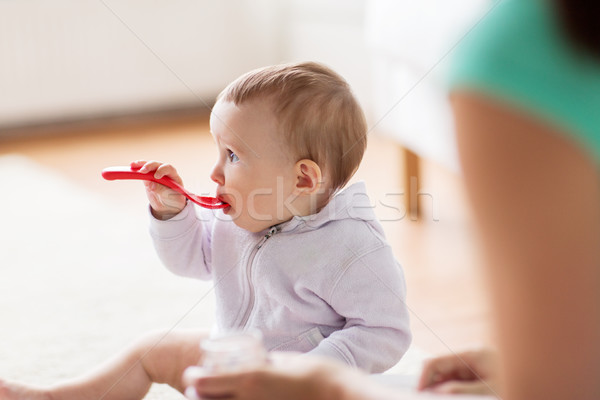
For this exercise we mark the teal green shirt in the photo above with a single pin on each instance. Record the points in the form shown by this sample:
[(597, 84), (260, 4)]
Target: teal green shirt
[(519, 53)]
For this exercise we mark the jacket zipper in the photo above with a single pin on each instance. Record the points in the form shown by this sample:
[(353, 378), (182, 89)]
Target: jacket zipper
[(272, 231)]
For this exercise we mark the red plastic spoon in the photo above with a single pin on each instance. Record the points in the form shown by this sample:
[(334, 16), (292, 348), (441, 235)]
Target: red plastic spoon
[(113, 173)]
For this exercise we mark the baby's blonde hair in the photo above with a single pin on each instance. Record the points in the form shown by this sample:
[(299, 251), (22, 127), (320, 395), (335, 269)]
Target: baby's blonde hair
[(316, 110)]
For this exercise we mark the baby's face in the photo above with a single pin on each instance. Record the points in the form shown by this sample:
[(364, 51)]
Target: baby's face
[(254, 170)]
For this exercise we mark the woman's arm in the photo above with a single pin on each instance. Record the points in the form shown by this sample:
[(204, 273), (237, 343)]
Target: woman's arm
[(288, 376), (536, 199)]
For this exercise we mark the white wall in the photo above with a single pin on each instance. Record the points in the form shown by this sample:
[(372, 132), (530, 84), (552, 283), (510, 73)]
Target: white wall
[(76, 58), (66, 59), (69, 59)]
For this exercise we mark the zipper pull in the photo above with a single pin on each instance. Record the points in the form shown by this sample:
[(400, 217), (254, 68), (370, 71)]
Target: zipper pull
[(273, 230)]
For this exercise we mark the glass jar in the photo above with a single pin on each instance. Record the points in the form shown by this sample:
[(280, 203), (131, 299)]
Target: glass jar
[(233, 352)]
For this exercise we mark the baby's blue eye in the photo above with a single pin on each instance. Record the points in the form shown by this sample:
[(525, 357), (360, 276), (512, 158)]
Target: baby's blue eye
[(232, 156)]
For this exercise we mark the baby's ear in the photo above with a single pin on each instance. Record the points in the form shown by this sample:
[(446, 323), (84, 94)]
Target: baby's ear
[(308, 177)]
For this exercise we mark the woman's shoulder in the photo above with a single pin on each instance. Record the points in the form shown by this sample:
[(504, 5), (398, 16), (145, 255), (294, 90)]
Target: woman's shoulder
[(512, 37), (519, 53)]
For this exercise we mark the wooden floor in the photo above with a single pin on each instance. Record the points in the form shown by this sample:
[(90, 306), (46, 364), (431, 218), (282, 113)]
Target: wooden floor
[(446, 298)]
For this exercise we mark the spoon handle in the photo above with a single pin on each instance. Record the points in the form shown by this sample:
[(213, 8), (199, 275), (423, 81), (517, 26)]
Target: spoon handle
[(127, 173)]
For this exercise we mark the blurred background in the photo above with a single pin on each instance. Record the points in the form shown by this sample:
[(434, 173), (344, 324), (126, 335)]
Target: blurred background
[(88, 84), (66, 61)]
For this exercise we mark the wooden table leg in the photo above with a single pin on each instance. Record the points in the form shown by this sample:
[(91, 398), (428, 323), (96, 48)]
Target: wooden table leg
[(411, 183)]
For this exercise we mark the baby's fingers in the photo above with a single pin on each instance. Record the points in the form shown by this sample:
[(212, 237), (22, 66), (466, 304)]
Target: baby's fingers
[(137, 164), (146, 166), (160, 169), (168, 170)]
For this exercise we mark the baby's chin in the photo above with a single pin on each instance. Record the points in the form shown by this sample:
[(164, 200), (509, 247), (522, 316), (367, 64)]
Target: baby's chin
[(251, 225)]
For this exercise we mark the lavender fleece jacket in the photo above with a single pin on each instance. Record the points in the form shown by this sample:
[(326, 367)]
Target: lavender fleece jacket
[(326, 284)]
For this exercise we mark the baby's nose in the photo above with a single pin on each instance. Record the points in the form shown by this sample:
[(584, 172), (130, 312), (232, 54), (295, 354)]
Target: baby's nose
[(217, 175)]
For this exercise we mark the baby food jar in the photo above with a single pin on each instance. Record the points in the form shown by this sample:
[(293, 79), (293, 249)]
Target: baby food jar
[(233, 352), (228, 352)]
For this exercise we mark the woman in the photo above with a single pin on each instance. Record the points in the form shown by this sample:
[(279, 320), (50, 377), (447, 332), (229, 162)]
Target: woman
[(525, 93)]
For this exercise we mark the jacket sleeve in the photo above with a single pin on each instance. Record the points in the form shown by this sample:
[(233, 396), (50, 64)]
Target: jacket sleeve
[(370, 293), (183, 243)]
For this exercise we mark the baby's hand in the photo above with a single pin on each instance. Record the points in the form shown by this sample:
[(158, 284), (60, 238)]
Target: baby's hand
[(165, 203)]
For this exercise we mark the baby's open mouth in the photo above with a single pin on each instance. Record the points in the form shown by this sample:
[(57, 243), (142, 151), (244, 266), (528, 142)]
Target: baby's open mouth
[(223, 200)]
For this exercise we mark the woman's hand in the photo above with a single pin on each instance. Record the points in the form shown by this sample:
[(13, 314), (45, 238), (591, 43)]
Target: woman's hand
[(164, 202), (288, 376), (473, 372)]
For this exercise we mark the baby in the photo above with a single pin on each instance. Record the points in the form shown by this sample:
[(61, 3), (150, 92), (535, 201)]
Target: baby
[(293, 254)]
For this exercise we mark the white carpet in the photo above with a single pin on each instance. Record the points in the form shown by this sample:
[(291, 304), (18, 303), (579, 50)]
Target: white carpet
[(79, 280)]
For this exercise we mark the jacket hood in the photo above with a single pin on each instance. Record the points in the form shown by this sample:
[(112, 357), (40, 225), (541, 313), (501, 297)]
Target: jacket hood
[(350, 203)]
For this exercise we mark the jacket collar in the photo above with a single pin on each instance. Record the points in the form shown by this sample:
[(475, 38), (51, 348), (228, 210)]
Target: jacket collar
[(350, 203)]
